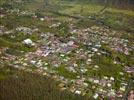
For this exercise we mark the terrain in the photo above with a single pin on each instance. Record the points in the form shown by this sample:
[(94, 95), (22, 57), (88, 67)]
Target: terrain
[(65, 50)]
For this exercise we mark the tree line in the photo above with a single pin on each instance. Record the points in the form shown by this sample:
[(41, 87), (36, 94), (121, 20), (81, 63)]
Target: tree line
[(117, 3), (120, 3)]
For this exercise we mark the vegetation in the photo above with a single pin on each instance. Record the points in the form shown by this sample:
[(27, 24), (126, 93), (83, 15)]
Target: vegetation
[(80, 41), (22, 85)]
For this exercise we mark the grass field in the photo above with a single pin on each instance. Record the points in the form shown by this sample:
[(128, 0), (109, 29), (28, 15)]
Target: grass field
[(120, 19)]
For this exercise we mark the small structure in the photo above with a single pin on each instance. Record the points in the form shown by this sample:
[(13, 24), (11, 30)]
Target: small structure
[(28, 42)]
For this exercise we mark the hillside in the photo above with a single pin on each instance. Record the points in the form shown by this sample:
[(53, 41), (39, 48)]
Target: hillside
[(66, 50)]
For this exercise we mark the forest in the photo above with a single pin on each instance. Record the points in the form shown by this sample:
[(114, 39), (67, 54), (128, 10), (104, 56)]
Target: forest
[(119, 3)]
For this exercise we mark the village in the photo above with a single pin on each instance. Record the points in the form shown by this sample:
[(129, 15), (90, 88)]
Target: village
[(95, 61)]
